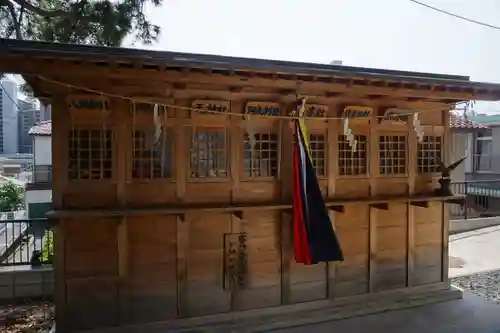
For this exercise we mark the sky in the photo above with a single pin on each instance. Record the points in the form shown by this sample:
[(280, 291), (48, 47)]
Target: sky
[(391, 34)]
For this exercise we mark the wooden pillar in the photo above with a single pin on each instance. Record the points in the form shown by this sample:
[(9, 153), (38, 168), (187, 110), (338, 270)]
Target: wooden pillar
[(444, 207), (60, 172), (373, 173), (236, 137), (181, 158), (332, 133), (285, 177), (123, 137), (410, 211), (61, 123)]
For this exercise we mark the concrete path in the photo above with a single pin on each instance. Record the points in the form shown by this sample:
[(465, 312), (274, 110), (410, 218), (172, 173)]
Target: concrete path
[(470, 252), (469, 315), (475, 251)]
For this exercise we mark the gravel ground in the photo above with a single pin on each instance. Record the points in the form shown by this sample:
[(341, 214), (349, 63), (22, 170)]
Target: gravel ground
[(486, 285), (37, 317)]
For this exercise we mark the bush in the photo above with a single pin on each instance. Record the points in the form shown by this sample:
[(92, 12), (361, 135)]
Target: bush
[(48, 247)]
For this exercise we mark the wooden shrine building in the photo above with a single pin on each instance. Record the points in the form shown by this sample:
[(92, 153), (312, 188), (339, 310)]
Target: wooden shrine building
[(166, 219)]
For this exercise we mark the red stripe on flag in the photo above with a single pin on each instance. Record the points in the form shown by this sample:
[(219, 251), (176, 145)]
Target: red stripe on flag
[(302, 253)]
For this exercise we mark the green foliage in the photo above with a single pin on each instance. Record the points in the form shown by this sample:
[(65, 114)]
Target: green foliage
[(48, 247), (11, 197), (97, 22)]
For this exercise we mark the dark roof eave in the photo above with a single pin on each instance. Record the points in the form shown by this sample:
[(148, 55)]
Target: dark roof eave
[(100, 53)]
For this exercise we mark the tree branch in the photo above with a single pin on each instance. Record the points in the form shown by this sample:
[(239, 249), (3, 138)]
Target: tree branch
[(12, 11), (52, 13), (40, 11)]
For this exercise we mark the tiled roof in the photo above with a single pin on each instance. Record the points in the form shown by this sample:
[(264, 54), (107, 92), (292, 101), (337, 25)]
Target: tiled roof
[(457, 122), (44, 128)]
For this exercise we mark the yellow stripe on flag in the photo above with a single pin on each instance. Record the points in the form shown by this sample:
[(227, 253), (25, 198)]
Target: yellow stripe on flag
[(302, 124)]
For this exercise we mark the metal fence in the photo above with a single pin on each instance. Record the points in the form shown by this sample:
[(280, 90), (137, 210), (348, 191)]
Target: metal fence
[(26, 242), (482, 199)]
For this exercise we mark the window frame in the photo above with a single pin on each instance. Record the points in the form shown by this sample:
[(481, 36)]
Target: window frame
[(227, 150), (112, 156), (170, 144), (427, 169), (325, 153), (270, 131), (405, 150), (367, 156), (477, 155)]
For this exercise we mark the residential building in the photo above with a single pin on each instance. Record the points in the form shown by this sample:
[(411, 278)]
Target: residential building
[(45, 112), (485, 148), (39, 190), (29, 115), (8, 117), (461, 145)]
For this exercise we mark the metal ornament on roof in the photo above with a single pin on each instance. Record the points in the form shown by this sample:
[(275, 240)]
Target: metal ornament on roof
[(418, 127), (350, 137)]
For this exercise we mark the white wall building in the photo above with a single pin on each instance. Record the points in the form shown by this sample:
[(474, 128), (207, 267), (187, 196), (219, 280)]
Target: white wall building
[(8, 117), (39, 191)]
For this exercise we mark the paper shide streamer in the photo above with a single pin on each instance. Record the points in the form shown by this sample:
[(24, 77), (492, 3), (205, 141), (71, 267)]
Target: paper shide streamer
[(350, 137), (314, 238), (157, 130), (418, 127)]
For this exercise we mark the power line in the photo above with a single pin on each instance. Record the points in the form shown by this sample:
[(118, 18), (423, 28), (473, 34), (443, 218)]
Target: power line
[(456, 15), (12, 100), (8, 95)]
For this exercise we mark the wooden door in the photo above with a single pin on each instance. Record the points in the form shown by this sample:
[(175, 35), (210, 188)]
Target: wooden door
[(262, 287), (391, 249), (151, 292), (205, 290)]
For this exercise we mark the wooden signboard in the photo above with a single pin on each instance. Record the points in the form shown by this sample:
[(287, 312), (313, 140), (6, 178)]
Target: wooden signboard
[(357, 114), (206, 106), (316, 110), (313, 110), (263, 108), (87, 102), (395, 116)]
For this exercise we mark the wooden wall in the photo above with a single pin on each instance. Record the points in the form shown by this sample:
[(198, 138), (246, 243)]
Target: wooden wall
[(149, 266)]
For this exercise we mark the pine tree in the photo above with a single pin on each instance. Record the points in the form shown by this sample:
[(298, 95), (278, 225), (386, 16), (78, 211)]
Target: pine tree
[(96, 22)]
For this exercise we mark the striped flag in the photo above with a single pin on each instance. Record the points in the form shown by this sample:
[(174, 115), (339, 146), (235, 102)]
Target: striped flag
[(314, 238)]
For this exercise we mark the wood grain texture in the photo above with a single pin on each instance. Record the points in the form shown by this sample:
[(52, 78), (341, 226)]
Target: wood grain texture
[(154, 249), (391, 247)]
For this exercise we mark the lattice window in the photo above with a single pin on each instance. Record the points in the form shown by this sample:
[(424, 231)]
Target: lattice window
[(317, 148), (392, 154), (353, 163), (90, 154), (429, 152), (151, 160), (263, 160), (208, 154)]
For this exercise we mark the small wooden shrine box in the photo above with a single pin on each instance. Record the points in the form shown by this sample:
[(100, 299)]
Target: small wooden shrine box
[(166, 219)]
